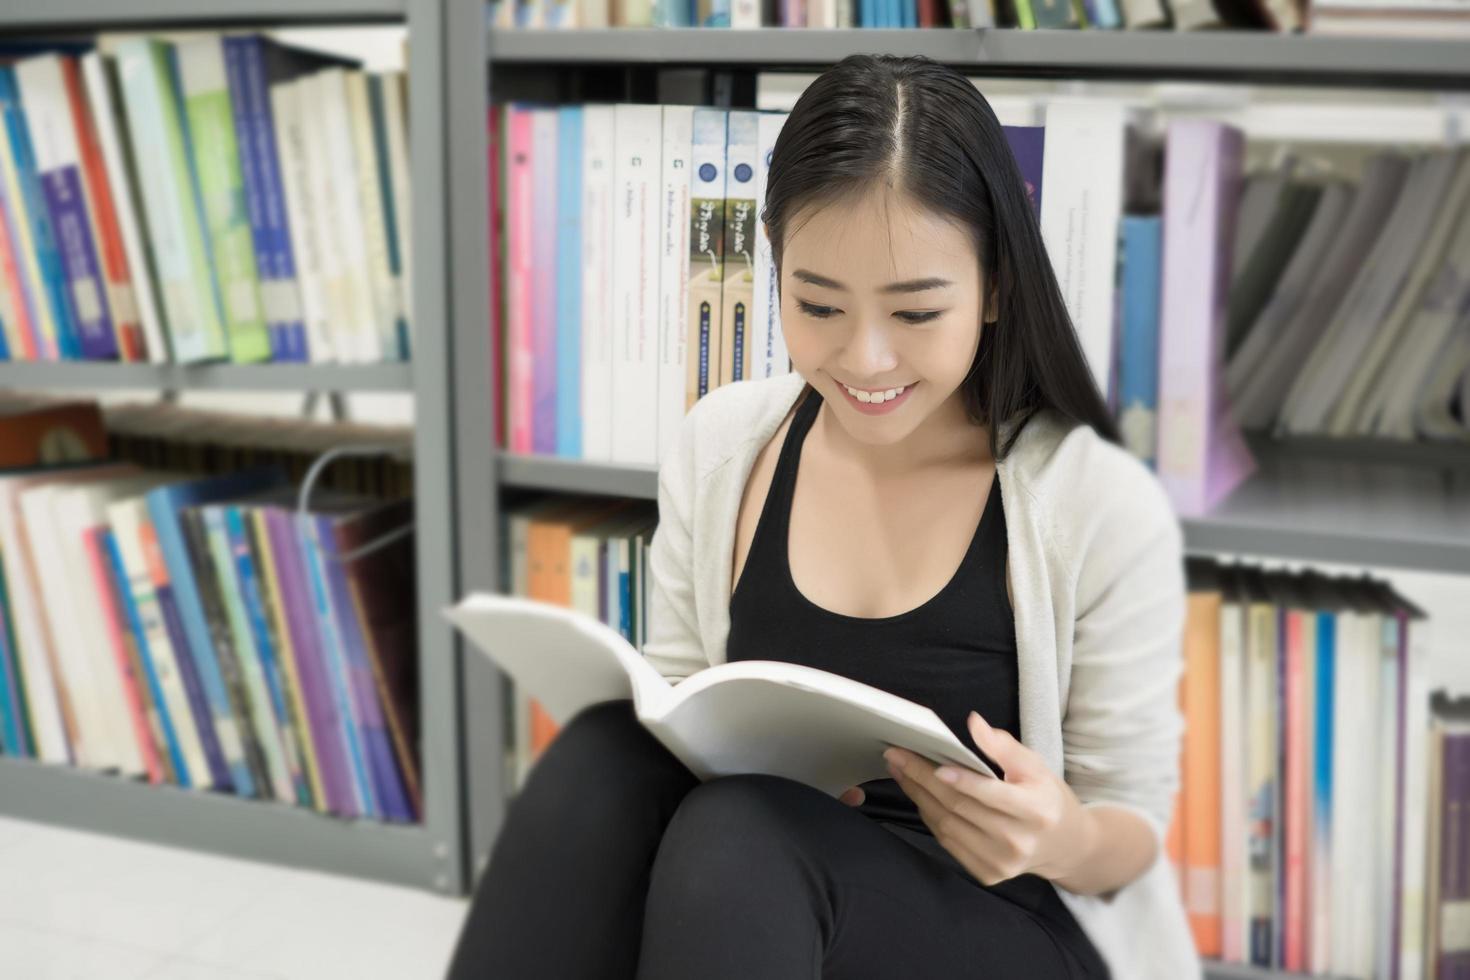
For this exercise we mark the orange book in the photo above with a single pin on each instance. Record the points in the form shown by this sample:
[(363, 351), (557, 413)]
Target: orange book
[(38, 434), (1202, 763), (549, 579), (1174, 839)]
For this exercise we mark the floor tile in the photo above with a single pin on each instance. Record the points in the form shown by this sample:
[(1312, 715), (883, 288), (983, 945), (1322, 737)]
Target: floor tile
[(38, 953)]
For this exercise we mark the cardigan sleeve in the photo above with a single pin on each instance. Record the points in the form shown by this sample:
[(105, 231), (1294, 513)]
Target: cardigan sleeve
[(1122, 729), (673, 645)]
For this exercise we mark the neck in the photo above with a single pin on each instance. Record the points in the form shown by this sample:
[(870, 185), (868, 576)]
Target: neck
[(947, 437)]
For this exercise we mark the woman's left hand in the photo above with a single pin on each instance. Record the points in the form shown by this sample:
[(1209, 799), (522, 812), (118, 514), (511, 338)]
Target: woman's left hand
[(997, 829)]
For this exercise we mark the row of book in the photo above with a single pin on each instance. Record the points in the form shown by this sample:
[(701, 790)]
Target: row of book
[(212, 632), (589, 554), (1292, 302), (1371, 18), (1307, 835), (219, 198)]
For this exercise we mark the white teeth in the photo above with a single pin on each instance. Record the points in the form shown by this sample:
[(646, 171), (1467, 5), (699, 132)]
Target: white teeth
[(869, 398)]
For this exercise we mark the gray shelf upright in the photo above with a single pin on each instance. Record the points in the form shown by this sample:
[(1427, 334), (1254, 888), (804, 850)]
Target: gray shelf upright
[(430, 854)]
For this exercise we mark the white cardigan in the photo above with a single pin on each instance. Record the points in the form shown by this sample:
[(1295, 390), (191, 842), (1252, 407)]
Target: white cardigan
[(1098, 590)]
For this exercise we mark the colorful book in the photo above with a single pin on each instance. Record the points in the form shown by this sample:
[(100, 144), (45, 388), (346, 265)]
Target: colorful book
[(737, 289), (706, 252), (568, 276)]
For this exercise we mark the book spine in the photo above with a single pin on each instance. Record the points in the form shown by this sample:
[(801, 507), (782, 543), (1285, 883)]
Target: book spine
[(636, 174), (598, 149), (385, 299), (378, 89), (287, 724), (568, 356), (544, 299), (737, 289), (673, 272), (771, 356), (342, 294), (706, 252), (495, 122), (51, 282), (250, 164), (19, 262), (519, 282), (14, 303), (175, 232), (395, 118), (312, 532), (216, 161), (102, 93), (198, 647), (263, 556), (335, 117), (173, 625), (142, 711), (329, 729), (299, 217)]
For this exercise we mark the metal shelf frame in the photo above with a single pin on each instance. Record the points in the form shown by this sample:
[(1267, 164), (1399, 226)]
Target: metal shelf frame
[(1234, 56), (430, 855)]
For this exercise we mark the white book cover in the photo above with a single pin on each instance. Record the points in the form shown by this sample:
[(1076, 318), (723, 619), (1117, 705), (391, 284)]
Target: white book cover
[(1385, 898), (328, 112), (1337, 352), (301, 220), (342, 298), (1386, 337), (673, 276), (747, 13), (79, 509), (385, 296), (1080, 213), (1412, 883), (395, 114), (752, 716), (93, 745), (126, 516), (770, 357), (638, 144), (43, 700), (598, 153), (106, 113)]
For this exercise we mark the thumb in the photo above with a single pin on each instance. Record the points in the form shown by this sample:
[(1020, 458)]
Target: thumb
[(997, 743)]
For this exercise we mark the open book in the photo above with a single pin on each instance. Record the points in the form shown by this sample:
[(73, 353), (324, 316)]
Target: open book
[(749, 716)]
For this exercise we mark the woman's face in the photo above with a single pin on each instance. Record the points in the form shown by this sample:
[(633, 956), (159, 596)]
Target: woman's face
[(878, 294)]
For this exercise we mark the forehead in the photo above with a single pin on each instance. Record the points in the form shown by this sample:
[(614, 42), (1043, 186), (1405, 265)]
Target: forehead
[(881, 232)]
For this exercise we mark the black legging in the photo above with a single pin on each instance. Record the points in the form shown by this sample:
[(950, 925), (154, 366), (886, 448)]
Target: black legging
[(615, 861)]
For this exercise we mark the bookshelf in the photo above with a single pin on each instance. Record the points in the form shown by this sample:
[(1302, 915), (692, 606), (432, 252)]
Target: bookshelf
[(429, 855), (1355, 502)]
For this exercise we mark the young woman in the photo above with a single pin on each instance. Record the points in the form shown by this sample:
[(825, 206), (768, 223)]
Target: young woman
[(934, 503)]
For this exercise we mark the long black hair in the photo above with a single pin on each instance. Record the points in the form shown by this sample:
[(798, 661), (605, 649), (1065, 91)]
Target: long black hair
[(925, 129)]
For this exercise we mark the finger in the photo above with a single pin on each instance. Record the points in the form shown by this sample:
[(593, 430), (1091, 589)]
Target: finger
[(853, 796), (1018, 761), (995, 823), (989, 792), (984, 851)]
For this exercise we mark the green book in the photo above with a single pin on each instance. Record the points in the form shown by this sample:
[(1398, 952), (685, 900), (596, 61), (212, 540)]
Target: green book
[(216, 159)]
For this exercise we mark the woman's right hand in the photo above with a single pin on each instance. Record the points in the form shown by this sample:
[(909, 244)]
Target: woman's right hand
[(853, 796)]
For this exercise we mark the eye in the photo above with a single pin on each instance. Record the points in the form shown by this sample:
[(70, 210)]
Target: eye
[(914, 316), (813, 310)]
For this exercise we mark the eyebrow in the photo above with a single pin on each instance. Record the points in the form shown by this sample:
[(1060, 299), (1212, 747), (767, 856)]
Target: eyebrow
[(911, 286)]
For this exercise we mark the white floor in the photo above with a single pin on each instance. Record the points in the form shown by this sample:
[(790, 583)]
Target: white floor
[(93, 907)]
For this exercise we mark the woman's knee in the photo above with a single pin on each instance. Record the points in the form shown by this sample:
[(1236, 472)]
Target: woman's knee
[(604, 751)]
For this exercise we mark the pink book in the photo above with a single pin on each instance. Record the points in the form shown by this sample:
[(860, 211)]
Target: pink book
[(1202, 457), (497, 243), (518, 283), (21, 337), (1297, 774), (132, 683)]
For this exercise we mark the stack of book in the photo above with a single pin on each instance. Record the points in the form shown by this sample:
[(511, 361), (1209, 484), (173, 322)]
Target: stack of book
[(239, 639), (1308, 833), (219, 198)]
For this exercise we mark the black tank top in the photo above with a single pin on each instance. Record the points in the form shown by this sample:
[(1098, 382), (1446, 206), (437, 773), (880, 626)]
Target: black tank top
[(954, 653)]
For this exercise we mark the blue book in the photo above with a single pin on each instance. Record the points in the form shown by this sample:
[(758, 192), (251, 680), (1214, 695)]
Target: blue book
[(1321, 833), (250, 591), (12, 721), (1028, 146), (43, 237), (314, 531), (387, 779), (569, 282), (673, 13), (1138, 367), (119, 580), (164, 504), (265, 235)]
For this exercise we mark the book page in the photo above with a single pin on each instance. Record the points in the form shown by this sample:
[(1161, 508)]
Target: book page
[(566, 660), (783, 719)]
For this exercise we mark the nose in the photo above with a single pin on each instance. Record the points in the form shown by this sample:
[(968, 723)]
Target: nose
[(870, 353)]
